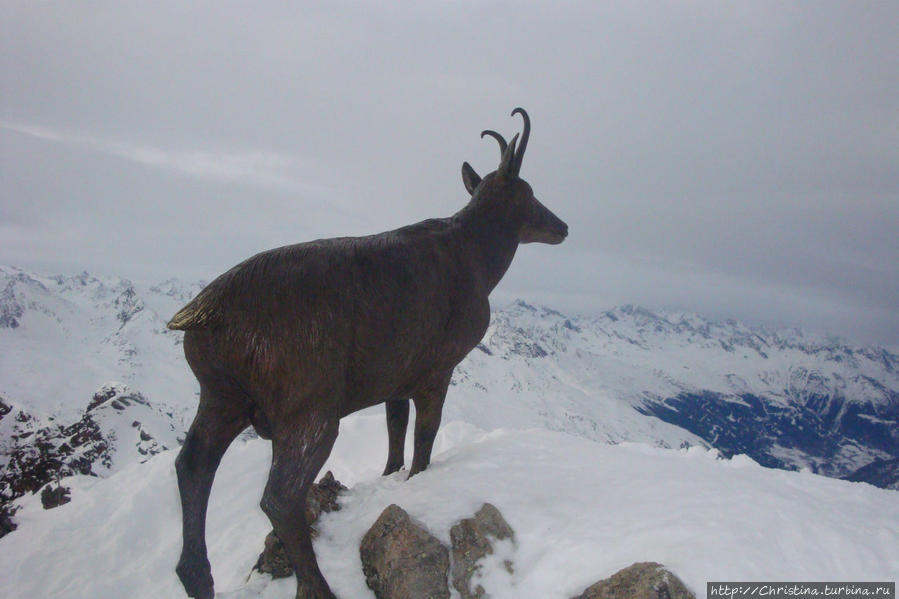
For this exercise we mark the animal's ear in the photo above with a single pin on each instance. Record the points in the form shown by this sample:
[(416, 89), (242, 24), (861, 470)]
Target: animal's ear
[(507, 164), (470, 178)]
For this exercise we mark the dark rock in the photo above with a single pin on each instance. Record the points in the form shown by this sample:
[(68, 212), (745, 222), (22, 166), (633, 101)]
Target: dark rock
[(529, 349), (645, 580), (106, 393), (881, 473), (6, 523), (273, 559), (10, 308), (402, 560), (52, 497), (322, 498), (472, 540), (4, 408)]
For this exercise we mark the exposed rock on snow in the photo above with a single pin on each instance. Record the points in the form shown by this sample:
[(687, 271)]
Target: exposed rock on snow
[(6, 523), (118, 425), (645, 580), (10, 308), (273, 559), (52, 497), (402, 560), (473, 540), (322, 498)]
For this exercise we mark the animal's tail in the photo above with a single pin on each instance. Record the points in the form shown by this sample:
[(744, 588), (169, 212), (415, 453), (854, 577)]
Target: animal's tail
[(202, 312)]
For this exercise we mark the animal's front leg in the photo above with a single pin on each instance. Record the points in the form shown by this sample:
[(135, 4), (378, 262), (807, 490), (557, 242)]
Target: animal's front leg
[(428, 410), (397, 421)]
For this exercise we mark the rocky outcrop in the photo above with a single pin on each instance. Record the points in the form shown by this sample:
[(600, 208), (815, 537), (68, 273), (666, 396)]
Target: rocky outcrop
[(322, 498), (473, 540), (116, 421), (273, 559), (54, 496), (402, 560), (6, 523), (644, 580), (41, 454)]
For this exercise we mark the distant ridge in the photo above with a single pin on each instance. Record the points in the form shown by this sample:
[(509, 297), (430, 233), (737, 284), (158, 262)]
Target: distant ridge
[(786, 398)]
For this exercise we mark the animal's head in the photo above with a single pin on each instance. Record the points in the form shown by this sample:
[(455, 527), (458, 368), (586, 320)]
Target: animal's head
[(505, 193)]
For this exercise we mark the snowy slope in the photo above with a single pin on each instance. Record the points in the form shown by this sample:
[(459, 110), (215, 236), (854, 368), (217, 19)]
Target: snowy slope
[(63, 337), (581, 510)]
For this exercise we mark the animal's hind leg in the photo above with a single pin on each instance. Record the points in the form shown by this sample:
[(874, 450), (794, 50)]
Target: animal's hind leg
[(397, 421), (216, 424), (298, 453)]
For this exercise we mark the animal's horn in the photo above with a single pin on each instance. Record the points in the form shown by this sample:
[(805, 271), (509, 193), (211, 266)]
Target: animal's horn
[(507, 163), (519, 155), (497, 137)]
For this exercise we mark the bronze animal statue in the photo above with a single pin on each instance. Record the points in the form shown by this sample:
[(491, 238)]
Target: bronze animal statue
[(293, 339)]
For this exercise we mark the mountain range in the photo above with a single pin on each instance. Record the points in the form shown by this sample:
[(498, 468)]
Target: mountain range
[(91, 381)]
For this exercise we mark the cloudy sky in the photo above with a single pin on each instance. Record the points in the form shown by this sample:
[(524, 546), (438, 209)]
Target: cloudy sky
[(737, 159)]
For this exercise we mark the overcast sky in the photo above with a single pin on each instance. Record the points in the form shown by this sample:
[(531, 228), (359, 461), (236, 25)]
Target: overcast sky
[(736, 159)]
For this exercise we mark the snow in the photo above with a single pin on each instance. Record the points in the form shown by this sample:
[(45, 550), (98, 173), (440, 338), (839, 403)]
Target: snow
[(80, 332), (580, 509)]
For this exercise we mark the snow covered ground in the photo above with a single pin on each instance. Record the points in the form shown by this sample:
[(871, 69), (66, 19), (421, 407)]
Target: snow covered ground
[(581, 510)]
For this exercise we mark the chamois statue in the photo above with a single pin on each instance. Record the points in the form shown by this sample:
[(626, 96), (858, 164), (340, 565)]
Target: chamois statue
[(293, 339)]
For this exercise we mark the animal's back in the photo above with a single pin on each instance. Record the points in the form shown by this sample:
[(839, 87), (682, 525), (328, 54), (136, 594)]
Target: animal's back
[(325, 269), (264, 285)]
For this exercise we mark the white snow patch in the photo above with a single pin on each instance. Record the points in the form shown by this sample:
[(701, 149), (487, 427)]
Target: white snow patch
[(581, 510)]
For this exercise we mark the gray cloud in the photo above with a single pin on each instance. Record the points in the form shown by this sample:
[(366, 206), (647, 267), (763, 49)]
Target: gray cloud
[(251, 167), (734, 159)]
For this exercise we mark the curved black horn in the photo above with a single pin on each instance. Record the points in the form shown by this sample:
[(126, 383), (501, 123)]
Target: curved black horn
[(519, 155), (497, 137)]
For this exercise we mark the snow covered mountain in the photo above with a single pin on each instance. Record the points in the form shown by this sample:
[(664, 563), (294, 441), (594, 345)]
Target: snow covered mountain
[(76, 348), (599, 437), (785, 398)]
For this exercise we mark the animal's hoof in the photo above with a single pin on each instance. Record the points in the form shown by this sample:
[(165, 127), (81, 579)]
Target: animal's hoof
[(415, 470), (391, 468), (196, 576), (310, 591)]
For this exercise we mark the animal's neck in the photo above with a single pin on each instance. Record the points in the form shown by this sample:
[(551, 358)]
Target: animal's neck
[(491, 240)]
